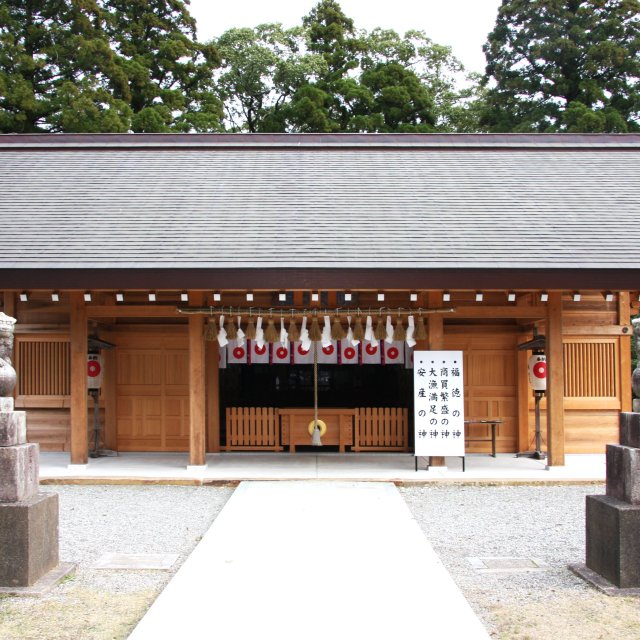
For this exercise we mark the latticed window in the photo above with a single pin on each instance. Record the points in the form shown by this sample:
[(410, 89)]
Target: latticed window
[(591, 368), (43, 366)]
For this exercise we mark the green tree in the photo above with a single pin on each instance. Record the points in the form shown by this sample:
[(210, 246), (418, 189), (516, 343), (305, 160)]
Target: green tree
[(54, 59), (169, 75), (564, 65), (261, 70)]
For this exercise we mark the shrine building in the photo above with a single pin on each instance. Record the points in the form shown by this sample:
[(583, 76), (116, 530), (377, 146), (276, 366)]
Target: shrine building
[(211, 292)]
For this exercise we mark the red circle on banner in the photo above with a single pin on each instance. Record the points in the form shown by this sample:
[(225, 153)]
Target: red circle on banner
[(238, 353), (349, 353), (260, 350), (93, 368), (392, 353), (540, 370), (371, 349), (301, 351), (282, 353), (327, 350)]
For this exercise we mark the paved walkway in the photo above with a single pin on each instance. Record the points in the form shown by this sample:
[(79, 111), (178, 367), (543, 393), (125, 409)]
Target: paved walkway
[(172, 467), (312, 560)]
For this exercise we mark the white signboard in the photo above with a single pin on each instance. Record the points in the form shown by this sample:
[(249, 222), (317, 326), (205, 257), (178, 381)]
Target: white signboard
[(439, 403)]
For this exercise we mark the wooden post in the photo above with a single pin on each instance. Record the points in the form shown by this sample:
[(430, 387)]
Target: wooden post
[(624, 318), (197, 412), (555, 381), (79, 392), (436, 343), (213, 396), (524, 393)]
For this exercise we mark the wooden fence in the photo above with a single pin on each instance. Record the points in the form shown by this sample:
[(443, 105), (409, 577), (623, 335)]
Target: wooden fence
[(252, 428), (378, 429)]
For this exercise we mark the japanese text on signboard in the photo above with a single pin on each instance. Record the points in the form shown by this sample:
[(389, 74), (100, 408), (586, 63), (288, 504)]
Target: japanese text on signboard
[(439, 403)]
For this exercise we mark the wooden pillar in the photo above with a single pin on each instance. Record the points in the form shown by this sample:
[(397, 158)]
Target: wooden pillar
[(436, 343), (197, 401), (555, 381), (79, 391), (524, 393), (624, 318), (213, 395), (9, 303)]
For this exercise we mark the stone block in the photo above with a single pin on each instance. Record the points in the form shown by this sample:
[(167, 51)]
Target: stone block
[(19, 472), (630, 429), (13, 428), (623, 473), (28, 539), (6, 404), (613, 540)]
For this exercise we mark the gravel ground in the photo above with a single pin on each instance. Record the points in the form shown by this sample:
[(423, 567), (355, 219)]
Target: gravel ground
[(461, 521), (98, 604), (542, 522)]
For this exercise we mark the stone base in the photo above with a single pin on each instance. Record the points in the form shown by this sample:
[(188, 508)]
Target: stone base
[(28, 540), (630, 429), (45, 584), (623, 473), (19, 472), (613, 540), (597, 581), (13, 428)]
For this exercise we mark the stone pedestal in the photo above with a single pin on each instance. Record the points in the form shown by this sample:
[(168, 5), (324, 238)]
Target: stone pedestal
[(28, 519), (613, 540), (613, 520), (28, 539)]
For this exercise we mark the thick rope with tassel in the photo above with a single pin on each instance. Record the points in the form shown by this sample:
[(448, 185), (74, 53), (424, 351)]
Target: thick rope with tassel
[(316, 441)]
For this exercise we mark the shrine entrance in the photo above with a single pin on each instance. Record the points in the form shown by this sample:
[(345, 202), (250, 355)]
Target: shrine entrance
[(271, 406)]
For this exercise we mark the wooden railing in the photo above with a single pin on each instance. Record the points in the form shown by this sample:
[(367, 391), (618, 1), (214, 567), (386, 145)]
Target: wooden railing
[(259, 428), (252, 429), (379, 429)]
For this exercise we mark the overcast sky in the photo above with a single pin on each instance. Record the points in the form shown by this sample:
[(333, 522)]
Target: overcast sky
[(461, 24)]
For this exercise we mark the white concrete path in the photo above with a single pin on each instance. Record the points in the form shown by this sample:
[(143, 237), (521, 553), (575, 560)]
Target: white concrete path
[(221, 467), (312, 560)]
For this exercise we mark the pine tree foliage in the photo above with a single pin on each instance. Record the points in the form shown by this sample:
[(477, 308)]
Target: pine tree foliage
[(564, 65)]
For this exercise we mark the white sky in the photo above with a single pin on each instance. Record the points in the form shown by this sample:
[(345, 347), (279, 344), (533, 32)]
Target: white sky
[(461, 24)]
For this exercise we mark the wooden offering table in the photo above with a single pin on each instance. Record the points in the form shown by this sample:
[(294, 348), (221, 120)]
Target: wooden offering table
[(294, 425)]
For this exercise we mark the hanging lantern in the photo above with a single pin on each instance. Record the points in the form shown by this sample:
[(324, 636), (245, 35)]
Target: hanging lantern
[(537, 365)]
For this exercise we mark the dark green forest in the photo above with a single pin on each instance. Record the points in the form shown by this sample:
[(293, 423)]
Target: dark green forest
[(136, 66)]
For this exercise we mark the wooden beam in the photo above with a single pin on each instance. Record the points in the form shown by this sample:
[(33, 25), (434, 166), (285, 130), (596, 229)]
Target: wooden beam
[(624, 318), (133, 311), (197, 387), (621, 329), (555, 381), (79, 392), (213, 395), (499, 312)]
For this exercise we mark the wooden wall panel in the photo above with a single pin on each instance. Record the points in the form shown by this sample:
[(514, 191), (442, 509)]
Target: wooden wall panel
[(152, 390), (490, 362)]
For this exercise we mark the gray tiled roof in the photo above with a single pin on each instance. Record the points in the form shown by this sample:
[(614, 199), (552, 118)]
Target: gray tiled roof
[(564, 203)]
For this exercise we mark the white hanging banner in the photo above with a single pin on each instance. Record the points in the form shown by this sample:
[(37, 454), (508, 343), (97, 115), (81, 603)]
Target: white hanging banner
[(394, 352), (222, 357), (348, 353), (408, 356), (258, 352), (371, 352), (439, 403), (328, 354), (281, 353), (237, 352), (302, 355)]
